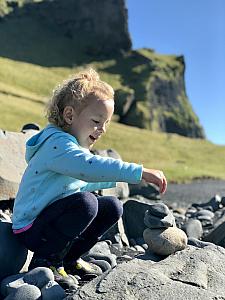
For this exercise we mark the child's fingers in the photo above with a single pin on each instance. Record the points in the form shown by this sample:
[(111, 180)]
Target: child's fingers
[(157, 177), (164, 185), (160, 185)]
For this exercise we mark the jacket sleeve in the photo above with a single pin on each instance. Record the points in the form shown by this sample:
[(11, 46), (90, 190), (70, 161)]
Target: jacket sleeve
[(90, 187), (66, 157)]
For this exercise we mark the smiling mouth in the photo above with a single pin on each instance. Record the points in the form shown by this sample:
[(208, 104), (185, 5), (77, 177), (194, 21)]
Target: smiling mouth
[(93, 139)]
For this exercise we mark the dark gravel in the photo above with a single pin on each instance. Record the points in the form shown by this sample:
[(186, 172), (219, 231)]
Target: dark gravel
[(199, 191)]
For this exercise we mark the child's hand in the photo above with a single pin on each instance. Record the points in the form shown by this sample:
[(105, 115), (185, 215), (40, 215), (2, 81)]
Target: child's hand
[(157, 177)]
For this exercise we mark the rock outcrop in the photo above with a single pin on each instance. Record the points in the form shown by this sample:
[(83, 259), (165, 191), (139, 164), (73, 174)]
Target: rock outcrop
[(96, 27), (13, 255), (156, 82), (12, 161), (193, 273)]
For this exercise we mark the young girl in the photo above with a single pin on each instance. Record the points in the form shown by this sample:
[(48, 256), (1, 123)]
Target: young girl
[(55, 214)]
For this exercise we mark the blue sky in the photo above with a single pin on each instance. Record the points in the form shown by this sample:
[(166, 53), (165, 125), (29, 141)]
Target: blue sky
[(195, 29)]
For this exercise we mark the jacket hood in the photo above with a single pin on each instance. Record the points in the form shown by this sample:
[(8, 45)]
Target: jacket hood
[(36, 141)]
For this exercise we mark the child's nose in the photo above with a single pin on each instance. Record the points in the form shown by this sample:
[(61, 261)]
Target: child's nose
[(102, 128)]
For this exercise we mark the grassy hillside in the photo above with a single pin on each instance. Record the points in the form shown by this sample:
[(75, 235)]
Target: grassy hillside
[(24, 89)]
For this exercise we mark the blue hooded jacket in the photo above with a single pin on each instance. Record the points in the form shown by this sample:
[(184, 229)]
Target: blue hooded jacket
[(58, 167)]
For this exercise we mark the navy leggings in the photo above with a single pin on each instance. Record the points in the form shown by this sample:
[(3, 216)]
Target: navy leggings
[(70, 226)]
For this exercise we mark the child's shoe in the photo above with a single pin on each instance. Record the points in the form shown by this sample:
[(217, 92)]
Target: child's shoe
[(66, 281), (85, 270)]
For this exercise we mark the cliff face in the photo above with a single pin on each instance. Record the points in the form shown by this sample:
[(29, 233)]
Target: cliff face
[(98, 27), (159, 100), (150, 89)]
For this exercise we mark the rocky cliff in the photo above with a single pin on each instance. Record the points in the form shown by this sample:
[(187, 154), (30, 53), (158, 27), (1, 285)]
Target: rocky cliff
[(155, 97), (98, 27), (150, 89)]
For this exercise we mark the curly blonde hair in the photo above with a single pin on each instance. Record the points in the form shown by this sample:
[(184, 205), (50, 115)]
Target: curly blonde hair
[(76, 92)]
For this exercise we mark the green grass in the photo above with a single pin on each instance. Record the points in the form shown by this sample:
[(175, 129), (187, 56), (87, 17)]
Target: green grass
[(25, 87), (15, 112)]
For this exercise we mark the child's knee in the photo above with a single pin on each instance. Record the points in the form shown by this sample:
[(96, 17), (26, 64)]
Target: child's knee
[(89, 203), (115, 207)]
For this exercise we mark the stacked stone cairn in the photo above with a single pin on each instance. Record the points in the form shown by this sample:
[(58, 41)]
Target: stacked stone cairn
[(162, 235)]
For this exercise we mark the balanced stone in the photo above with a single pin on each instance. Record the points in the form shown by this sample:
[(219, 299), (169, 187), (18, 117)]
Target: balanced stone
[(155, 222), (165, 241), (159, 210)]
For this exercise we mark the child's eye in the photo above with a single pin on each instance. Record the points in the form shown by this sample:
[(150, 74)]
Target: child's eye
[(96, 122)]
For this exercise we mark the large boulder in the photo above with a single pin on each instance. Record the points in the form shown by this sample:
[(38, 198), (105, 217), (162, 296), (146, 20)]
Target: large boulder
[(193, 273), (13, 255), (12, 161)]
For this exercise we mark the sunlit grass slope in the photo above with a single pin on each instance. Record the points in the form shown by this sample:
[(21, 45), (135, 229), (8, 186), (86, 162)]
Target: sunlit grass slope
[(24, 89)]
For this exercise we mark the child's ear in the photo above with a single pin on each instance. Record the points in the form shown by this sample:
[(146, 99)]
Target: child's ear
[(68, 114)]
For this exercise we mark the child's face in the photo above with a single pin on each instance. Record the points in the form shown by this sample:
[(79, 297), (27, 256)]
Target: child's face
[(88, 126)]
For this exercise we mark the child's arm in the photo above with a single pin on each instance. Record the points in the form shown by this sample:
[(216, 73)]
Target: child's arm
[(149, 175), (67, 158)]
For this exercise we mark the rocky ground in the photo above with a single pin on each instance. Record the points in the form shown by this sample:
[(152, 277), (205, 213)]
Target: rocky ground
[(192, 274), (179, 256)]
